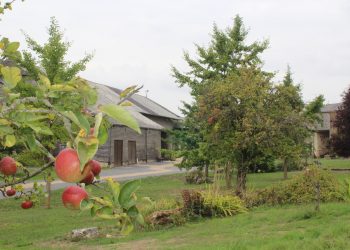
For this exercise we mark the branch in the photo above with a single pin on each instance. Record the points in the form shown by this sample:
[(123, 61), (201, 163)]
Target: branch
[(46, 166)]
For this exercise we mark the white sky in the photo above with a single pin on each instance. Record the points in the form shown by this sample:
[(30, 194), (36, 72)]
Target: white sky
[(136, 41)]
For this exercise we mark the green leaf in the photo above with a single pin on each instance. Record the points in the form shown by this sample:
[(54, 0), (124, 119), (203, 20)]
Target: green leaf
[(98, 120), (127, 228), (31, 142), (12, 76), (133, 211), (115, 188), (45, 81), (10, 140), (86, 153), (61, 87), (139, 218), (79, 120), (127, 91), (40, 128), (27, 117), (102, 201), (12, 47), (103, 134), (126, 192), (86, 205), (121, 115), (5, 130)]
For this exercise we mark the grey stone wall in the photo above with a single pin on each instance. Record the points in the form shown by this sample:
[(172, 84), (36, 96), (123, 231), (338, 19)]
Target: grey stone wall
[(106, 151)]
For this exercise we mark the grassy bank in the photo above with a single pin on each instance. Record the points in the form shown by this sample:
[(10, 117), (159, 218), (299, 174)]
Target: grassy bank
[(287, 227)]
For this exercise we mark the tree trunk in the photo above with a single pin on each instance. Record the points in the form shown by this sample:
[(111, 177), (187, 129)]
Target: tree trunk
[(285, 169), (241, 181), (228, 175), (206, 171)]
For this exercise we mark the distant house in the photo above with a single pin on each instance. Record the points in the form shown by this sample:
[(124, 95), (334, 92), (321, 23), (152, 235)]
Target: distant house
[(124, 146), (325, 130)]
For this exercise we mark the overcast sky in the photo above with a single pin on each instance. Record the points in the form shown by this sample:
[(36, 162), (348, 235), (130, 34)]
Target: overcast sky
[(135, 42)]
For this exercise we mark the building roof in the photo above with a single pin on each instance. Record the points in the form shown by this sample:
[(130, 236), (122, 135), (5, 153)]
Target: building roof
[(332, 107), (149, 107), (108, 95)]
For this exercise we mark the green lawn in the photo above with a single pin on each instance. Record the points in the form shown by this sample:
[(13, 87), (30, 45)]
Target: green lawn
[(287, 227), (335, 163)]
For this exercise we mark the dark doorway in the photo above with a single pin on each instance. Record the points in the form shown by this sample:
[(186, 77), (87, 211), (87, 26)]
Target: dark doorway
[(164, 140), (118, 153), (132, 152)]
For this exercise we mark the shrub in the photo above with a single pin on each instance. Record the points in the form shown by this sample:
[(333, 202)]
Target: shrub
[(223, 205), (208, 203), (193, 204), (300, 189), (168, 154), (164, 212), (160, 205)]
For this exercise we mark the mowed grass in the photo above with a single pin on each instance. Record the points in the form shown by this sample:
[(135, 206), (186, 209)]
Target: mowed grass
[(287, 227), (341, 163)]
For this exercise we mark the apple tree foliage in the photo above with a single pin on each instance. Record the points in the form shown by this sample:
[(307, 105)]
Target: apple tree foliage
[(227, 52), (26, 118)]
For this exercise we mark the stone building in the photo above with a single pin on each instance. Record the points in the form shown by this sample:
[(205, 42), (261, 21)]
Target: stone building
[(325, 130), (125, 146)]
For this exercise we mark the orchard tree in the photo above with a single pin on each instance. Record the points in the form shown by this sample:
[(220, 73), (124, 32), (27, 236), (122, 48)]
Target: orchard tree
[(24, 120), (340, 141), (226, 54), (241, 126)]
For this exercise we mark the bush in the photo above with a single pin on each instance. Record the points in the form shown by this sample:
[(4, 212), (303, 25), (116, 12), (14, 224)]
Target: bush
[(223, 205), (168, 154), (165, 212), (211, 204), (300, 189), (160, 205)]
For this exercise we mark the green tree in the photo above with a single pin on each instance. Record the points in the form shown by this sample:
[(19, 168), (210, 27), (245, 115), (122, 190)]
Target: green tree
[(242, 126), (226, 54), (50, 57), (295, 119)]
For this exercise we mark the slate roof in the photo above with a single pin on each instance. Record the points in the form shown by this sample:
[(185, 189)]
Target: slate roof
[(109, 95), (330, 107), (149, 107)]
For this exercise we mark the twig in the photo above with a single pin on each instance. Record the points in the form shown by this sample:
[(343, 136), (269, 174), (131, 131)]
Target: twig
[(46, 166)]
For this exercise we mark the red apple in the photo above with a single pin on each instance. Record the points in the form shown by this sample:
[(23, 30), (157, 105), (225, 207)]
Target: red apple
[(26, 204), (8, 166), (67, 166), (11, 192), (95, 167), (211, 120), (72, 196), (88, 179)]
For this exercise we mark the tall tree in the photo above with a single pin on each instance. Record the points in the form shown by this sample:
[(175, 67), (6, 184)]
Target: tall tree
[(51, 57), (241, 123), (226, 54)]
